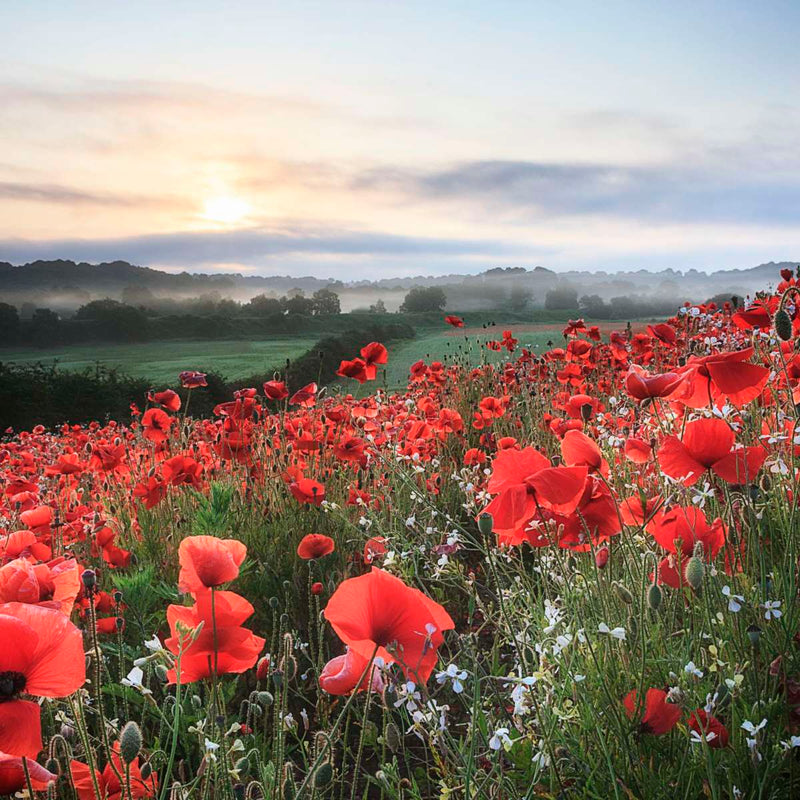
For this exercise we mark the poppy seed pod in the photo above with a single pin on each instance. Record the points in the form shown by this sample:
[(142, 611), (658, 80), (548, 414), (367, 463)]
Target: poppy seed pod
[(695, 572), (486, 524), (783, 325), (89, 579), (130, 742)]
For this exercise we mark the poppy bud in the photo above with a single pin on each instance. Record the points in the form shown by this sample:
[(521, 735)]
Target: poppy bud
[(51, 765), (67, 731), (695, 572), (586, 412), (323, 775), (622, 592), (601, 557), (161, 673), (654, 596), (316, 588), (393, 739), (754, 635), (117, 597), (262, 670), (486, 524), (265, 698), (783, 325), (130, 742), (196, 701), (146, 771), (273, 602), (242, 764)]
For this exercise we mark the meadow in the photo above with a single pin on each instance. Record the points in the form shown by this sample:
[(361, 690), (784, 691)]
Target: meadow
[(568, 570), (162, 361)]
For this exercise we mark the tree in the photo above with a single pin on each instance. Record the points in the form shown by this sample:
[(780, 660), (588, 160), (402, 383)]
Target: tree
[(45, 327), (421, 298), (262, 306), (298, 303), (561, 298), (519, 297), (592, 305), (9, 322), (623, 308), (326, 302), (378, 307), (115, 320)]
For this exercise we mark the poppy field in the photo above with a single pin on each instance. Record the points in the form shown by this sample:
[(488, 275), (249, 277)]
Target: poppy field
[(564, 573)]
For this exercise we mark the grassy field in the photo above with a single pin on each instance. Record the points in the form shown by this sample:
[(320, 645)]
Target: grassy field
[(161, 362), (467, 345)]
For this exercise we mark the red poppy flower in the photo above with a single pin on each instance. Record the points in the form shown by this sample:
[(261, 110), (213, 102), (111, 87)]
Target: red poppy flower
[(680, 528), (181, 469), (709, 728), (378, 610), (456, 322), (315, 545), (56, 584), (169, 399), (373, 354), (207, 562), (342, 673), (659, 716), (641, 385), (356, 369), (638, 451), (156, 424), (579, 450), (237, 648), (151, 492), (715, 378), (275, 390), (663, 332), (192, 380), (706, 445), (108, 783), (42, 655), (306, 397), (307, 491), (374, 548), (350, 449), (12, 775)]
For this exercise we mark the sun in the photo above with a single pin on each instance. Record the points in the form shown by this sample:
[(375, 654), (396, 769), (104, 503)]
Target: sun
[(225, 209)]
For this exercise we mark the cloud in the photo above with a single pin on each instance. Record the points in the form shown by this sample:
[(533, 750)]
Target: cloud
[(656, 194), (258, 246), (53, 193)]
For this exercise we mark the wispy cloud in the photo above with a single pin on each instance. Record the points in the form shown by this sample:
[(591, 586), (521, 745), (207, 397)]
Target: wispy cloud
[(53, 193), (668, 193)]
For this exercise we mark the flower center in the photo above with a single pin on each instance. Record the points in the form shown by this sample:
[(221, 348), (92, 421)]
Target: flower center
[(11, 684)]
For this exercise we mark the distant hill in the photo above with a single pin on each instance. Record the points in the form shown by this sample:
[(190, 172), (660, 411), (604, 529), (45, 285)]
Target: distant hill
[(65, 285)]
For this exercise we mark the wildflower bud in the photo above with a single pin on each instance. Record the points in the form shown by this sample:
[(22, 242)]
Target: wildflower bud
[(654, 596), (316, 588), (393, 738), (622, 592), (67, 731), (783, 325), (265, 698), (754, 635), (324, 775), (262, 668), (162, 673), (695, 572), (130, 742), (89, 579), (486, 524), (601, 557), (146, 771)]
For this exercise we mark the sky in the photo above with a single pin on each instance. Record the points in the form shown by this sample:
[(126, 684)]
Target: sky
[(380, 139)]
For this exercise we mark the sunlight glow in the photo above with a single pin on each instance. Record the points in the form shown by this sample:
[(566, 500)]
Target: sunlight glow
[(225, 210)]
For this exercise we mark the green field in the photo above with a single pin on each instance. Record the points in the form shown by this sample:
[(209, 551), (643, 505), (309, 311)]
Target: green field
[(161, 362)]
